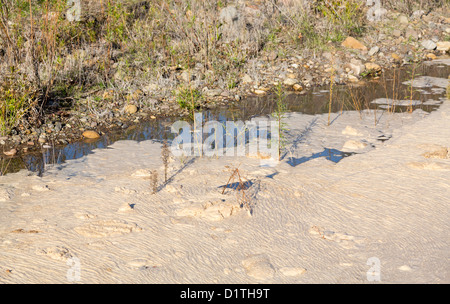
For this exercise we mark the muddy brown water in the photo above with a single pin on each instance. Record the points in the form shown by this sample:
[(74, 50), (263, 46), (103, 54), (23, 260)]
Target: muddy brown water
[(312, 101)]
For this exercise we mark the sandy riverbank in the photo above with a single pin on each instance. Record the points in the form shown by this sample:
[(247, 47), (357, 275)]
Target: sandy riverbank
[(312, 221)]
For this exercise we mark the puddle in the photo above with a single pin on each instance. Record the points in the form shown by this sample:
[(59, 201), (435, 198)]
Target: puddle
[(393, 87)]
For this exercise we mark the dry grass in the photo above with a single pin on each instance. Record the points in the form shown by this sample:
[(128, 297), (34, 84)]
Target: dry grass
[(409, 6), (129, 45), (236, 182)]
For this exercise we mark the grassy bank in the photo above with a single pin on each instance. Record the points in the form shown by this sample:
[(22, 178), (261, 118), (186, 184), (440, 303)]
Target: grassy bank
[(138, 51)]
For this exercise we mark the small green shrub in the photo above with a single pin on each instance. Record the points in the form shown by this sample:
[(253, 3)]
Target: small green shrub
[(188, 98), (17, 95)]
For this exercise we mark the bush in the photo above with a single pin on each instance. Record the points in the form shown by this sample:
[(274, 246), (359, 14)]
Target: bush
[(17, 95)]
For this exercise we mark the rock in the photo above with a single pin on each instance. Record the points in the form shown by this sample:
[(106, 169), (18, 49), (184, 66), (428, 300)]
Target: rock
[(11, 152), (404, 268), (373, 50), (439, 153), (58, 126), (291, 75), (352, 78), (246, 79), (429, 45), (126, 207), (260, 92), (352, 145), (130, 109), (352, 43), (290, 81), (307, 78), (372, 67), (376, 14), (410, 33), (351, 131), (327, 55), (397, 33), (356, 66), (297, 87), (213, 92), (443, 46), (403, 19), (40, 188), (185, 76), (56, 253), (418, 14), (396, 57), (431, 56), (90, 134), (258, 267), (272, 56)]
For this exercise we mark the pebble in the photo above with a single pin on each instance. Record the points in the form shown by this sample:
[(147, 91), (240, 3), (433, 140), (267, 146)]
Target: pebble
[(431, 56), (396, 57), (246, 79), (11, 152), (297, 87), (397, 33), (352, 43), (403, 19), (443, 46), (90, 134), (290, 81), (428, 44), (58, 126), (131, 109), (373, 50), (372, 66)]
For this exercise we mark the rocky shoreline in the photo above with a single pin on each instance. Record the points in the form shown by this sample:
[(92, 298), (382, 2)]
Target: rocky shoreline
[(395, 41)]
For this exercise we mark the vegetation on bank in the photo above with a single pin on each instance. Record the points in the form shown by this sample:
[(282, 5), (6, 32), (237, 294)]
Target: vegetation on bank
[(48, 62)]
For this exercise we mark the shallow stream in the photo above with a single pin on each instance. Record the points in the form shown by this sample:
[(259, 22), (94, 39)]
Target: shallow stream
[(391, 92)]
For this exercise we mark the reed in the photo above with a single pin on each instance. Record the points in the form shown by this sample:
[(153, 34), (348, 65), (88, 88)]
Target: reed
[(154, 181), (165, 155), (279, 114), (240, 188)]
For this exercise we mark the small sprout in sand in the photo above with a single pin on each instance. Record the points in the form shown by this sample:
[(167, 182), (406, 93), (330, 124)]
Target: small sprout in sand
[(165, 154), (154, 181)]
